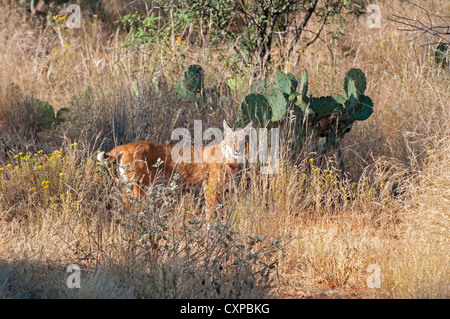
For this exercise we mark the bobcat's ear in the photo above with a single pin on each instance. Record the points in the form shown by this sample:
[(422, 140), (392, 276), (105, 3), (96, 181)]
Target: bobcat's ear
[(226, 128), (248, 127)]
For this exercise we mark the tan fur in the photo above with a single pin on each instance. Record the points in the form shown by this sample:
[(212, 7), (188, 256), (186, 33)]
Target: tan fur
[(215, 174)]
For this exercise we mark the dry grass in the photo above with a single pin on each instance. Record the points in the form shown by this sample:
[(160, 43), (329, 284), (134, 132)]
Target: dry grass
[(308, 231)]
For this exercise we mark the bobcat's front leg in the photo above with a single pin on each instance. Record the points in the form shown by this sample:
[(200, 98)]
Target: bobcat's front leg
[(212, 200), (216, 190)]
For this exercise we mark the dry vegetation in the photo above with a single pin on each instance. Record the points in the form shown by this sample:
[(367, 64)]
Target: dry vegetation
[(308, 231)]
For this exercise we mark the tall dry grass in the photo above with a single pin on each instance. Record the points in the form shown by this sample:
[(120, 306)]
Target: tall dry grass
[(308, 231)]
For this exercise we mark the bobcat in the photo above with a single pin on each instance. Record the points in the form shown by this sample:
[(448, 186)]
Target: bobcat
[(214, 173)]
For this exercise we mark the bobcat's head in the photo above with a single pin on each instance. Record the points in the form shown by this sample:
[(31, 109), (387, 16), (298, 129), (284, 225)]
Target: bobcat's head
[(234, 143)]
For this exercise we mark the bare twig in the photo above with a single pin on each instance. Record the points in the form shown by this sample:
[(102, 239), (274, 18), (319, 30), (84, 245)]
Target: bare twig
[(439, 33)]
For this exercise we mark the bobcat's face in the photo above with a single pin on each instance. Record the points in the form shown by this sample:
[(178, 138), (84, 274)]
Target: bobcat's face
[(233, 144)]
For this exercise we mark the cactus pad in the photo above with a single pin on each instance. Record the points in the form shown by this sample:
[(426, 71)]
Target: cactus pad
[(182, 93), (323, 106), (255, 107), (359, 80), (304, 84), (46, 113), (278, 105), (363, 109), (285, 82), (193, 79)]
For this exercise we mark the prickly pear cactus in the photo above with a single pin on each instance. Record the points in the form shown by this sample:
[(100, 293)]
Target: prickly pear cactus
[(359, 81), (193, 79), (323, 106), (46, 114), (255, 107), (182, 93), (363, 109), (339, 99), (304, 84), (278, 105), (285, 82), (330, 117), (352, 95), (190, 85)]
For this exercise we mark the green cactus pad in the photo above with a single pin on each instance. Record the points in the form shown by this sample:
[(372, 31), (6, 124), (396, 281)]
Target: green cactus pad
[(278, 104), (46, 113), (285, 82), (182, 93), (193, 79), (352, 95), (359, 80), (363, 109), (339, 99), (304, 84), (255, 107), (300, 101), (293, 97), (323, 106), (340, 109)]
